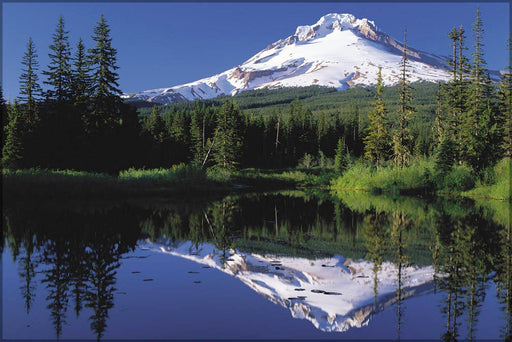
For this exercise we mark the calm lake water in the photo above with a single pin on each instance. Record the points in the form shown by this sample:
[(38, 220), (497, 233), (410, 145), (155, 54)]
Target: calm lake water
[(272, 265)]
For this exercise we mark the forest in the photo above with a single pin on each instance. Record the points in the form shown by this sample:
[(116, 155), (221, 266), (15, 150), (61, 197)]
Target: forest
[(451, 136)]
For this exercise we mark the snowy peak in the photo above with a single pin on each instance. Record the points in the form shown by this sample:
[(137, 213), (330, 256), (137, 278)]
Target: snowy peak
[(332, 22), (339, 51)]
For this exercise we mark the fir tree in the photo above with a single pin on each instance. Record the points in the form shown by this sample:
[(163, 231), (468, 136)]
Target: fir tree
[(228, 139), (30, 90), (105, 90), (340, 158), (376, 143), (197, 132), (80, 79), (445, 154), (13, 148), (156, 126), (401, 138), (506, 107), (480, 135), (59, 69)]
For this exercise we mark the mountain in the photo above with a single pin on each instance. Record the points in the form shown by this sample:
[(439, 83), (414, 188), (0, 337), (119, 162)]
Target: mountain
[(338, 51), (334, 294)]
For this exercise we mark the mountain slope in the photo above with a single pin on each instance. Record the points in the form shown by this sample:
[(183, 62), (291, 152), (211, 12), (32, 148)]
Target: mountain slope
[(338, 51)]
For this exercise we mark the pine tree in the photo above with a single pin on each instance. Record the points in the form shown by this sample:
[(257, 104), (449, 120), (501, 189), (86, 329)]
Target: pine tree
[(340, 158), (376, 143), (105, 92), (30, 90), (197, 132), (480, 134), (156, 126), (59, 69), (445, 155), (401, 138), (506, 107), (80, 79), (227, 137), (13, 149)]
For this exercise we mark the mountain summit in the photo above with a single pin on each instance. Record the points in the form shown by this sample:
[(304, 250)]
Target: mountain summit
[(338, 51)]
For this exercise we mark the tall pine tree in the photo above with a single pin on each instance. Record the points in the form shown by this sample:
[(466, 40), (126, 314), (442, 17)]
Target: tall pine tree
[(480, 131), (105, 92), (59, 69), (401, 137), (227, 137), (80, 79), (30, 90), (376, 143)]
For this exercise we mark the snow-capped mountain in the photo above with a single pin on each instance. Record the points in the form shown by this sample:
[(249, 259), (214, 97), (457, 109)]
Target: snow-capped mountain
[(334, 294), (338, 51)]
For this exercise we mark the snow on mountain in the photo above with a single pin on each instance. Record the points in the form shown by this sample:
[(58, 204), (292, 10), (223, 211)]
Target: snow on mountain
[(338, 51), (334, 294)]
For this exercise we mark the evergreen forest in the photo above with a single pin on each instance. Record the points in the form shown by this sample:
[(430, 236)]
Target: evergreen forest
[(451, 131)]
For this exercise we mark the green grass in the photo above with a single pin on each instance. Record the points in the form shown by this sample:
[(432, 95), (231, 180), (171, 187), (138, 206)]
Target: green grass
[(498, 183), (421, 177), (417, 177), (179, 179)]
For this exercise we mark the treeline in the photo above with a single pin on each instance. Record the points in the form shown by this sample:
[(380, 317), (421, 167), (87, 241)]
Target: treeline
[(472, 118), (80, 122)]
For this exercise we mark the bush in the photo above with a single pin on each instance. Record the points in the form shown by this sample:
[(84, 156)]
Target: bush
[(460, 178)]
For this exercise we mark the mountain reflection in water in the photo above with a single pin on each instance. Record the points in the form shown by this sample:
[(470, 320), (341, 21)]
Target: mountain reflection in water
[(334, 293), (335, 260)]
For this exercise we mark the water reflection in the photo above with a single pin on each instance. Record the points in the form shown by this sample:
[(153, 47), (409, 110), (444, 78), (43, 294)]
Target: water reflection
[(77, 257), (334, 260)]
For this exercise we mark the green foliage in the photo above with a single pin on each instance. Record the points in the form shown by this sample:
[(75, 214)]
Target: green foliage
[(416, 177), (14, 145), (376, 143), (341, 157), (228, 136), (59, 70), (445, 155), (401, 136), (460, 178), (105, 88), (30, 90), (498, 183), (307, 161), (156, 126)]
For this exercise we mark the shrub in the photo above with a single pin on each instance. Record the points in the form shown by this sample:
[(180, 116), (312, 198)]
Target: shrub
[(460, 178)]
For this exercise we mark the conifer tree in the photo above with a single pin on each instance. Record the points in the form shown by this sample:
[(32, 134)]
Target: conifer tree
[(401, 137), (80, 79), (197, 132), (156, 126), (59, 69), (506, 107), (340, 158), (30, 90), (105, 90), (227, 137), (376, 143), (480, 131), (13, 148)]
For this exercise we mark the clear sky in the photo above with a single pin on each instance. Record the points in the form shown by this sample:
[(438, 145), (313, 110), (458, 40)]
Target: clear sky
[(167, 44)]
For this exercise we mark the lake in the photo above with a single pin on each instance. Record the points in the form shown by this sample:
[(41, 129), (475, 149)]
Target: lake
[(289, 264)]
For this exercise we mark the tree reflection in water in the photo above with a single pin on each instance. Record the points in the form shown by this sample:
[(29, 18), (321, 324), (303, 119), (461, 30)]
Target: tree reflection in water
[(78, 249)]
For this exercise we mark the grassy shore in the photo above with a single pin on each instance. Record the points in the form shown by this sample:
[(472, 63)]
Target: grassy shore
[(421, 178), (179, 179), (182, 180)]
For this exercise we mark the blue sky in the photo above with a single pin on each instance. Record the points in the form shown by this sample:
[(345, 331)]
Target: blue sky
[(166, 44)]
